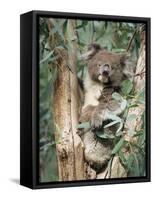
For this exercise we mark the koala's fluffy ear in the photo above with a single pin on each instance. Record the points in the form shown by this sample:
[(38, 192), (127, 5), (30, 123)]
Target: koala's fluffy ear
[(128, 65), (91, 51)]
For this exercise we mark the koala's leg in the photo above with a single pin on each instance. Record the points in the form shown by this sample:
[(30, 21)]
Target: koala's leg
[(97, 153), (116, 107)]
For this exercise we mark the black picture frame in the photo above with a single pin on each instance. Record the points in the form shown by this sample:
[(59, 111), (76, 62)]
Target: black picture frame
[(29, 99)]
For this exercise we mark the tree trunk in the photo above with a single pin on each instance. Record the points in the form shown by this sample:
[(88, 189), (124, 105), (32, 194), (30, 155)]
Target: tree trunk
[(139, 85), (66, 112)]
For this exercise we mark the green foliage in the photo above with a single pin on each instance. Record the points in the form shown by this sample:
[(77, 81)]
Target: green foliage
[(118, 146), (127, 86), (134, 160), (116, 96), (112, 123), (53, 39)]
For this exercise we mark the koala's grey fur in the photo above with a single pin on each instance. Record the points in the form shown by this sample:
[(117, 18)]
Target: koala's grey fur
[(106, 71)]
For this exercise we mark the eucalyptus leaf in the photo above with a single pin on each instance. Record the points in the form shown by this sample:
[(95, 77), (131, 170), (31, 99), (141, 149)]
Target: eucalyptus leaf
[(118, 146), (104, 135), (127, 86), (130, 161), (136, 168), (117, 96), (119, 133), (120, 127), (141, 95), (47, 57), (113, 117), (122, 157), (123, 104), (111, 124), (133, 105), (139, 133), (84, 125)]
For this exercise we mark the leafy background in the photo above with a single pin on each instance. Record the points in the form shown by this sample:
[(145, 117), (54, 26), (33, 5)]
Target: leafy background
[(114, 36)]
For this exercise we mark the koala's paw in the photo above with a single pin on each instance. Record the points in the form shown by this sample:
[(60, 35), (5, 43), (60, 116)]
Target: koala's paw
[(96, 122)]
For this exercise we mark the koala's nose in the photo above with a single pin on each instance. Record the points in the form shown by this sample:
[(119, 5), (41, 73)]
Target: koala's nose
[(106, 69)]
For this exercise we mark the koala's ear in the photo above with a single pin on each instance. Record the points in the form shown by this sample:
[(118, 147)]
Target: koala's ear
[(91, 51), (128, 65)]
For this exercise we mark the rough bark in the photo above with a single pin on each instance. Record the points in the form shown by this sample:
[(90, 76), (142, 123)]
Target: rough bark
[(66, 111), (139, 84)]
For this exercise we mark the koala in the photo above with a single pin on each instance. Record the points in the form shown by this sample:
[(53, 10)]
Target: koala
[(105, 73)]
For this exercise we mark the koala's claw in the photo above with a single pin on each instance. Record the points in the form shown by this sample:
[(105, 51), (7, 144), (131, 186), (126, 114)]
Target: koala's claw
[(96, 122)]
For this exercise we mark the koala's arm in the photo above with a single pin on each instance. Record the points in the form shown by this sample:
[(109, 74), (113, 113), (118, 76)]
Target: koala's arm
[(86, 113), (103, 111)]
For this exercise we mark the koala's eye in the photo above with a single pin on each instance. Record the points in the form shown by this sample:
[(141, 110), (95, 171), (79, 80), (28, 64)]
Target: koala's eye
[(99, 65)]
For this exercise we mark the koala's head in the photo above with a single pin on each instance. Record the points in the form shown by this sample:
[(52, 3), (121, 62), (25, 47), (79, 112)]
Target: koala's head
[(108, 67)]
